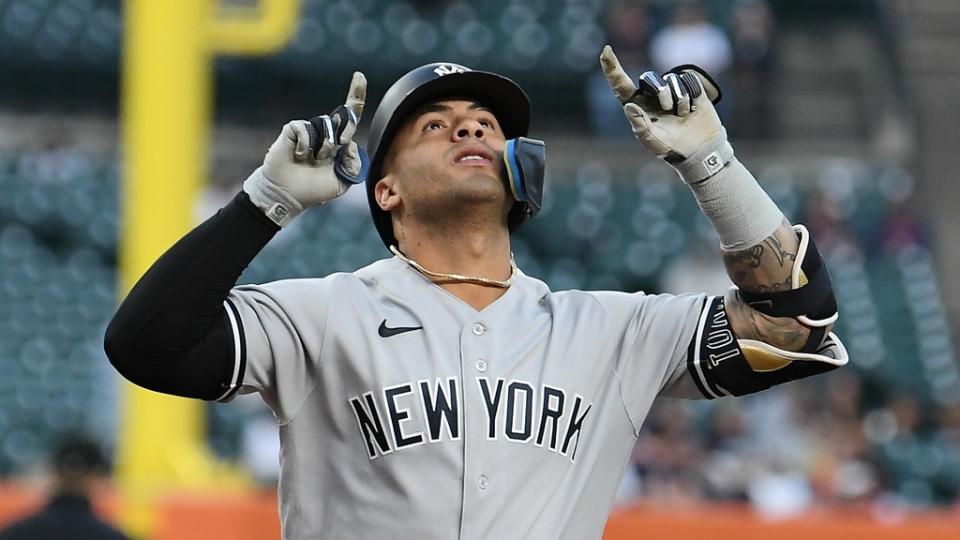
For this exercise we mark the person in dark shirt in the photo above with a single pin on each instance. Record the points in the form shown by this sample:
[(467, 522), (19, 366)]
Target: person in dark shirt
[(78, 463)]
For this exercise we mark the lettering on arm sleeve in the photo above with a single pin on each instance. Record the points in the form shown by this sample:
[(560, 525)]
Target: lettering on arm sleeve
[(713, 349)]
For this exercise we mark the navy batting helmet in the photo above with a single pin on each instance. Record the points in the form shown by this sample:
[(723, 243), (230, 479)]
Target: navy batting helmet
[(444, 80)]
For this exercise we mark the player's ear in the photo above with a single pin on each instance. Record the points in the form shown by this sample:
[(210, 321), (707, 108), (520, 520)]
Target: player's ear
[(386, 194)]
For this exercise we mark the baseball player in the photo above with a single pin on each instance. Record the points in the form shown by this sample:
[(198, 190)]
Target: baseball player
[(442, 392)]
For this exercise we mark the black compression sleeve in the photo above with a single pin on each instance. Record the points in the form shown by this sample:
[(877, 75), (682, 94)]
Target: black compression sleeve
[(171, 334)]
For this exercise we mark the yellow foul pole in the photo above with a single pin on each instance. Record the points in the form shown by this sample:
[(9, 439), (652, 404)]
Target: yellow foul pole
[(166, 111)]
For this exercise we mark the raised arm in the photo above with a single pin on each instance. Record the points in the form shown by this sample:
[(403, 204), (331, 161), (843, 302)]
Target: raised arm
[(783, 307), (172, 333)]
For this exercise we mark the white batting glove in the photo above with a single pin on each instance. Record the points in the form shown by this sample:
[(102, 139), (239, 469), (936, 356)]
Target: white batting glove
[(298, 170), (673, 116)]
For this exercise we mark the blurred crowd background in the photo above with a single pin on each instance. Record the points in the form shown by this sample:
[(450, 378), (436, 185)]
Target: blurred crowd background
[(843, 110)]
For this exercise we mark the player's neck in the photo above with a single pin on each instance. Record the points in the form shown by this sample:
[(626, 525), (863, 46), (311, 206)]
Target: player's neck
[(474, 253)]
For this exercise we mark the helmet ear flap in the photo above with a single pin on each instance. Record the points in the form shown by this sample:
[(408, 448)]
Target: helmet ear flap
[(525, 161)]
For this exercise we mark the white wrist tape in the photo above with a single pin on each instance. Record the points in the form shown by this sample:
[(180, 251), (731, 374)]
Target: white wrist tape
[(741, 212), (277, 203), (705, 162)]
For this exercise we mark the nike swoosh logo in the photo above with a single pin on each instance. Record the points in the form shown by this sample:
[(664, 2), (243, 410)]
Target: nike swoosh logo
[(385, 331)]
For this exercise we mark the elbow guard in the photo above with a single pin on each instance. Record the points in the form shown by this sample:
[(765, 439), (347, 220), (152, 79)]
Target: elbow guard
[(722, 364), (810, 300)]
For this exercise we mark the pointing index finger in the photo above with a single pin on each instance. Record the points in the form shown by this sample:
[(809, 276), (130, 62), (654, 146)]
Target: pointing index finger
[(357, 94), (619, 81)]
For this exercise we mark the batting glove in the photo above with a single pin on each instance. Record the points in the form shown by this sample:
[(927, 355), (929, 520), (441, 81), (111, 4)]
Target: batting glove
[(311, 162), (673, 116)]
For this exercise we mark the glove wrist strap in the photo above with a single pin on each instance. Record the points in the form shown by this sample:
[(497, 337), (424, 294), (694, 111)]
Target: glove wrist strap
[(276, 202), (703, 163)]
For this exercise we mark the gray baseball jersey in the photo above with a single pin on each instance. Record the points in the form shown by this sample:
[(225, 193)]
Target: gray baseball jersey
[(404, 412)]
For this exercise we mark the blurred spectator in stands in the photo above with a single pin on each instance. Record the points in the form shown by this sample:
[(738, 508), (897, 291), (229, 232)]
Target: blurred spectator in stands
[(698, 268), (79, 468), (949, 421), (907, 413), (947, 437), (843, 397), (767, 462), (823, 215), (668, 454), (840, 469), (753, 28), (728, 463), (627, 27), (901, 229), (690, 38)]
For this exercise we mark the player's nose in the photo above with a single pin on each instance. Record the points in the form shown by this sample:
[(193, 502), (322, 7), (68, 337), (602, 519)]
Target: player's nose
[(468, 127)]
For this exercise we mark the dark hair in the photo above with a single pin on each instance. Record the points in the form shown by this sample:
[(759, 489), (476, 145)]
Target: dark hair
[(77, 455)]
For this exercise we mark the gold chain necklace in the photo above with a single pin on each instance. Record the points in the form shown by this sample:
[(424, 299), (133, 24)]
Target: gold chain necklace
[(457, 277)]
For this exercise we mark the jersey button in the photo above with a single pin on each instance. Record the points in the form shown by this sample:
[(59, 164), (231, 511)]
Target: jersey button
[(479, 329), (482, 482), (481, 366)]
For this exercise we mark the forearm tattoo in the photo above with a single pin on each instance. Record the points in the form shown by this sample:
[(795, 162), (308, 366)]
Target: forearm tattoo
[(786, 333), (767, 266), (763, 268)]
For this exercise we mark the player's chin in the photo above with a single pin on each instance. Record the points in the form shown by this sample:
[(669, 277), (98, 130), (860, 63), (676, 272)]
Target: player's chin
[(481, 175), (482, 185)]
